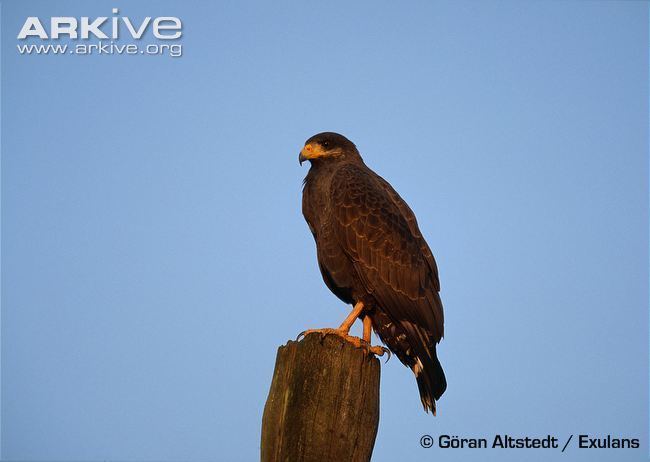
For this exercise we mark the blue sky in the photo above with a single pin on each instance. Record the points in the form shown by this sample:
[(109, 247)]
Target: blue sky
[(154, 255)]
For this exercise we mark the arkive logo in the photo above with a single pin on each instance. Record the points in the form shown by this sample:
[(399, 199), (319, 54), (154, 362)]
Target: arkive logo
[(164, 27), (165, 31)]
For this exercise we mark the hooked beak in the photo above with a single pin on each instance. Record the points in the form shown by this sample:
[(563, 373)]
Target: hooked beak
[(308, 152)]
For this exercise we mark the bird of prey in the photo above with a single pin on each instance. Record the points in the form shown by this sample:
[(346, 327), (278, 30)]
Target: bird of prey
[(372, 256)]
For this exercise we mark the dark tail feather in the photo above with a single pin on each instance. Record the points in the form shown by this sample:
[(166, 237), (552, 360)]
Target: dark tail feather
[(431, 380)]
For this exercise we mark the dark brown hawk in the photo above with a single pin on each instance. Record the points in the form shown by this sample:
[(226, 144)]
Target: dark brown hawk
[(372, 255)]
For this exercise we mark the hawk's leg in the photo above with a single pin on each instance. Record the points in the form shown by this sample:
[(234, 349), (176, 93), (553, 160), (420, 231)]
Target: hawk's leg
[(343, 331), (367, 332), (367, 328)]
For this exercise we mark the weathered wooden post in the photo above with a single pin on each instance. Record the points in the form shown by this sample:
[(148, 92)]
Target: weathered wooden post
[(323, 404)]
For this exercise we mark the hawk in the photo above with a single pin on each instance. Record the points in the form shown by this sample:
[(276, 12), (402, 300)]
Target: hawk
[(372, 256)]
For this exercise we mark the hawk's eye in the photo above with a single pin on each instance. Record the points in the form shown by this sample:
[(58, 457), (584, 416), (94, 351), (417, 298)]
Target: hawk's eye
[(325, 144)]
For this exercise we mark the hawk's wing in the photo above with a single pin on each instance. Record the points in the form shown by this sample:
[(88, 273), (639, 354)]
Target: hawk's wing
[(379, 232)]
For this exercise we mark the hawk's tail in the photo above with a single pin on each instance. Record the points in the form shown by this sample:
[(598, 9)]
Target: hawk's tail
[(430, 378)]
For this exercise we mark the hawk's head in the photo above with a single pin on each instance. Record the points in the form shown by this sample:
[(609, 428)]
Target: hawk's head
[(327, 146)]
